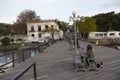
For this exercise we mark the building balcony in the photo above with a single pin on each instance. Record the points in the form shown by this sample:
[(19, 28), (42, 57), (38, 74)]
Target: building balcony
[(32, 31)]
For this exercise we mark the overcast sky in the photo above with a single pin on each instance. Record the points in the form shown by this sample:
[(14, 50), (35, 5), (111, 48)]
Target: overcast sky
[(56, 9)]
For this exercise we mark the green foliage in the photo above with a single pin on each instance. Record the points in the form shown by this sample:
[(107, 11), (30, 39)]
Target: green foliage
[(107, 21), (5, 41), (50, 30), (5, 29), (63, 25), (20, 28), (86, 26), (6, 32)]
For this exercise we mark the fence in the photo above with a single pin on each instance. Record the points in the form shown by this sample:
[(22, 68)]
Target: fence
[(25, 70), (16, 56)]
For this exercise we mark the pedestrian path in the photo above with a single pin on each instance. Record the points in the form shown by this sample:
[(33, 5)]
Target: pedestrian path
[(56, 63)]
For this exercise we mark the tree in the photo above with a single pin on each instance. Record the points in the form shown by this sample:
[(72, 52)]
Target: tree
[(86, 26), (50, 30), (107, 21), (19, 28), (116, 24), (63, 25), (25, 16), (3, 26), (5, 41), (5, 29)]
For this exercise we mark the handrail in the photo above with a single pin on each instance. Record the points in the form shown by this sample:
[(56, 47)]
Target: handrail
[(16, 51), (25, 70), (12, 53)]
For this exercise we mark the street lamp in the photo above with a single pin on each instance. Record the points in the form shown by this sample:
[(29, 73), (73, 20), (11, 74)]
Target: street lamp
[(74, 18)]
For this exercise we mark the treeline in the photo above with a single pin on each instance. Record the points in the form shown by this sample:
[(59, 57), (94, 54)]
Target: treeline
[(19, 26), (108, 21)]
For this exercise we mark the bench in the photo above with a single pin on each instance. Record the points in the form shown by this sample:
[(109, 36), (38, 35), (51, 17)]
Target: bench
[(82, 63), (79, 63), (94, 64)]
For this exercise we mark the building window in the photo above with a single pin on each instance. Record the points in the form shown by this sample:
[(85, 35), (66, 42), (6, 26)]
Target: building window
[(101, 34), (105, 34), (32, 28), (39, 35), (33, 35), (96, 35), (51, 25), (46, 26), (39, 28), (19, 39), (111, 34)]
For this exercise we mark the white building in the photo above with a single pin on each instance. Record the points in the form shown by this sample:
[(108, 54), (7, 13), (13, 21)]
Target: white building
[(35, 30), (104, 35), (113, 34), (18, 38), (97, 35)]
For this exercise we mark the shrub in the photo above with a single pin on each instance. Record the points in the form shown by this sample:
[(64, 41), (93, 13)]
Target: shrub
[(5, 41)]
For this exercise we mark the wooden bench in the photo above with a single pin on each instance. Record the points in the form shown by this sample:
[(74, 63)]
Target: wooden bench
[(82, 63), (94, 64), (79, 63)]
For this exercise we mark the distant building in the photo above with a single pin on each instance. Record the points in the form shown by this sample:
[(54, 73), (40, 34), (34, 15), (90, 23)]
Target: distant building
[(18, 38), (104, 35), (113, 34), (35, 34), (97, 35)]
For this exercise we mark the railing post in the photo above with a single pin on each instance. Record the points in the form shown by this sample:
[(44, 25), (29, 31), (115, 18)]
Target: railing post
[(23, 56), (18, 75), (35, 73), (13, 61)]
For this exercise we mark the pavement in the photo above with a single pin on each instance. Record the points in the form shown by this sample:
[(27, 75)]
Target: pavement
[(56, 63)]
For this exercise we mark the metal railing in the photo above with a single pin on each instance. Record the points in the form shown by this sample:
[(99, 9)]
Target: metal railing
[(22, 55), (25, 70)]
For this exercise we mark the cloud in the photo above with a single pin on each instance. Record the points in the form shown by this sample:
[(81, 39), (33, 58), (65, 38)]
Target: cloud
[(112, 4), (49, 1), (25, 3)]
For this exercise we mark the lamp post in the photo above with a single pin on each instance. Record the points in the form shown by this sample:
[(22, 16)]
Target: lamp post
[(74, 18)]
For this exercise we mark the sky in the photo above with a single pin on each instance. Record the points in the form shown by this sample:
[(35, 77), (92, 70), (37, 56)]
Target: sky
[(56, 9)]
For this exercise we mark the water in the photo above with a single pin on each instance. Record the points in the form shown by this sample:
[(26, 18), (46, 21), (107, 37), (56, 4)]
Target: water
[(5, 59), (8, 58)]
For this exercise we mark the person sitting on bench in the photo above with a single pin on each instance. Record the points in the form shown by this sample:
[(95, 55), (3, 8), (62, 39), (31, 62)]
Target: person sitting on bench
[(90, 54), (91, 59)]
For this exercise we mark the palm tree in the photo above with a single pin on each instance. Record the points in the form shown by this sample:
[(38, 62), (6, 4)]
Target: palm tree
[(50, 30)]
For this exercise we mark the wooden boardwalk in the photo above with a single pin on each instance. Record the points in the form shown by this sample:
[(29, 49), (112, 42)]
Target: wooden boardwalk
[(56, 63)]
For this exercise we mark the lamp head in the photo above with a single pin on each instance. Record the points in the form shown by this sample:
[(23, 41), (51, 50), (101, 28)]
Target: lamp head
[(74, 13)]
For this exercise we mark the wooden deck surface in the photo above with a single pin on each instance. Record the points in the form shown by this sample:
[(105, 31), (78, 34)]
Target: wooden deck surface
[(56, 63)]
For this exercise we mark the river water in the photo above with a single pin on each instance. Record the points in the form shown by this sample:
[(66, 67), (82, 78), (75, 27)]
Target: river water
[(8, 58)]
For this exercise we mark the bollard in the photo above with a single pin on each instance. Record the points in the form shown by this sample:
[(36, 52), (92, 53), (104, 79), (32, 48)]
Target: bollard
[(41, 48)]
